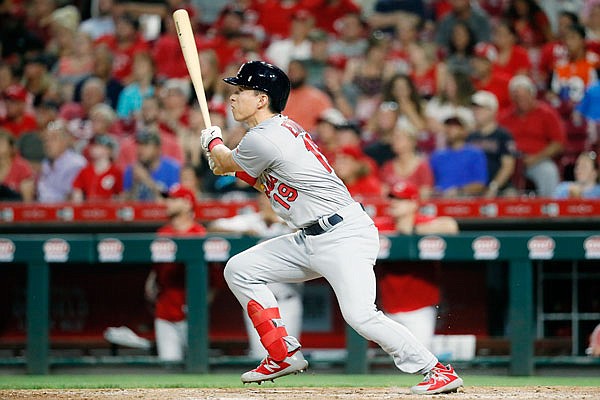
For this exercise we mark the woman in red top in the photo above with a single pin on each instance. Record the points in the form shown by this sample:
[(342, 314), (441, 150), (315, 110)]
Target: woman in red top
[(407, 166), (511, 58), (427, 73), (16, 176)]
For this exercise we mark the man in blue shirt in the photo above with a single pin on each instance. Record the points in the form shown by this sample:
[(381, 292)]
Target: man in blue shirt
[(152, 173), (461, 169)]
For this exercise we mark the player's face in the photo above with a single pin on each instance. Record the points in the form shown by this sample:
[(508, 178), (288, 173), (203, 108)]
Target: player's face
[(244, 103)]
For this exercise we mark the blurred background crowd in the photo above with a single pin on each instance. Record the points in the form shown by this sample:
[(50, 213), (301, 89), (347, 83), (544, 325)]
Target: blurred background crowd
[(459, 98)]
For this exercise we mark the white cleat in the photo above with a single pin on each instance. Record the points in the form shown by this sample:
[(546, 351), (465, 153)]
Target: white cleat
[(441, 379), (270, 369)]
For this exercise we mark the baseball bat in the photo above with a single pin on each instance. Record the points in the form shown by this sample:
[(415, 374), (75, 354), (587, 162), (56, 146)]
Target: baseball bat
[(190, 54)]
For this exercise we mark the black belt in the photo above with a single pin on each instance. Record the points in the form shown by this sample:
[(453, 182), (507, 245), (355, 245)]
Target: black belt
[(316, 229)]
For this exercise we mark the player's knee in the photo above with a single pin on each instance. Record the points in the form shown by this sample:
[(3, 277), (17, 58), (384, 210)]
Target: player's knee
[(234, 269), (359, 317)]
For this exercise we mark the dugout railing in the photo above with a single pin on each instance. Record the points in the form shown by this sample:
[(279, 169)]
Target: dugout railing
[(518, 250)]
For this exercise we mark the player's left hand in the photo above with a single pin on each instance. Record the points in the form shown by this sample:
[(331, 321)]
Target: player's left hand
[(208, 135)]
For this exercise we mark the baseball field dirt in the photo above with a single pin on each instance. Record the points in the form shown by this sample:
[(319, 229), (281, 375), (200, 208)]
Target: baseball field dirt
[(258, 393)]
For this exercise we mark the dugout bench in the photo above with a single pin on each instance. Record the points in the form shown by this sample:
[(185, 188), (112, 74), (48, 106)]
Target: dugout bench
[(518, 249)]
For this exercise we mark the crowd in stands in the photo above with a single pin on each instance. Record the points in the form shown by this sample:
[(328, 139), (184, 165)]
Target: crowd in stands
[(461, 98)]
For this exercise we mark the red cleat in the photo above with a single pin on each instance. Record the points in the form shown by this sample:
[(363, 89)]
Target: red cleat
[(441, 379), (270, 369)]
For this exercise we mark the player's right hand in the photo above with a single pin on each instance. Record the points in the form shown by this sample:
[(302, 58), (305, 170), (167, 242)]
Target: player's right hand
[(211, 162), (208, 135), (212, 165)]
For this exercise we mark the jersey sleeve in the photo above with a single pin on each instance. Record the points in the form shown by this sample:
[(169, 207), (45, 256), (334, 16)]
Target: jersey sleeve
[(255, 153)]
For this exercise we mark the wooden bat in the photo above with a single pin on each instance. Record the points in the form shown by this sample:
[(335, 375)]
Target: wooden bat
[(190, 54)]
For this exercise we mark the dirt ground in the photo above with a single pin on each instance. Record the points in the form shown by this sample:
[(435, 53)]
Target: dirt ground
[(254, 393)]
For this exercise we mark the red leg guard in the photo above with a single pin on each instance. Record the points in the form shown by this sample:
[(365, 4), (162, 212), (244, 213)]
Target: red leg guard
[(271, 335)]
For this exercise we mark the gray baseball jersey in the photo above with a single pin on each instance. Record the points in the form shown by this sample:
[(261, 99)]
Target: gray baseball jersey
[(297, 178)]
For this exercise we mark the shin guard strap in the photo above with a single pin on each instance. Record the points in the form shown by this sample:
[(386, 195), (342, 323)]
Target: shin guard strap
[(258, 317)]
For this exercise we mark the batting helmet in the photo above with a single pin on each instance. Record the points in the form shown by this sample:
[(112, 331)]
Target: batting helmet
[(266, 77)]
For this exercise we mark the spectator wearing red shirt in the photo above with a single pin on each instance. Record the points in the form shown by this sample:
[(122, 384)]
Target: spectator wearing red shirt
[(355, 169), (512, 59), (427, 73), (100, 179), (124, 44), (407, 165), (485, 77), (538, 132), (409, 293), (17, 180), (165, 285), (17, 120)]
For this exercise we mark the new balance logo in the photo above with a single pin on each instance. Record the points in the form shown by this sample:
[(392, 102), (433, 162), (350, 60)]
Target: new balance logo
[(443, 377), (271, 366)]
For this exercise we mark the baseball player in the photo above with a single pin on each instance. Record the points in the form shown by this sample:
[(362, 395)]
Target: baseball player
[(335, 239)]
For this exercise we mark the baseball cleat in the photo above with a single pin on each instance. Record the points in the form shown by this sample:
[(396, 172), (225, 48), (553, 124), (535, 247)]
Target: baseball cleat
[(270, 369), (441, 379)]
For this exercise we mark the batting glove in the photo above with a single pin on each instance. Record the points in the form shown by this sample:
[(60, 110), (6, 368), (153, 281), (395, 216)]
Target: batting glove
[(208, 136)]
